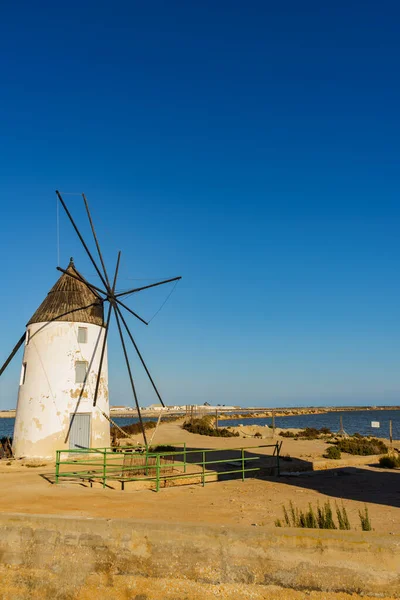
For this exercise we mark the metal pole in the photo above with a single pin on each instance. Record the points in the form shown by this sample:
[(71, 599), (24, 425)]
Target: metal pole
[(278, 449), (184, 457), (158, 473), (57, 464), (204, 468), (390, 432), (104, 468), (273, 422), (216, 419), (242, 464)]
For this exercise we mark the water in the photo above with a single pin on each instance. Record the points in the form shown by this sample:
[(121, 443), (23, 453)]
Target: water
[(358, 421), (7, 425)]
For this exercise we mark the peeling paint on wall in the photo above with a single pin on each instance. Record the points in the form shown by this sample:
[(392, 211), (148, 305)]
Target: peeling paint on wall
[(49, 395)]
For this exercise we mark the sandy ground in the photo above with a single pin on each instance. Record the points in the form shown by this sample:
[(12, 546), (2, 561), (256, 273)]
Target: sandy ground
[(254, 502), (98, 586)]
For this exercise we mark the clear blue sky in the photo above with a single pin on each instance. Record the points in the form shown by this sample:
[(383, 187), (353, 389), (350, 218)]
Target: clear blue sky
[(251, 147)]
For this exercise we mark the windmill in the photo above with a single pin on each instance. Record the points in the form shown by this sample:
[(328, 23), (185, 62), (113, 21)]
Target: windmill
[(66, 338)]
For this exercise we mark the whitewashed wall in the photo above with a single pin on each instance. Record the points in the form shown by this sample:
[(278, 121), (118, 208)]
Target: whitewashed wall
[(50, 395)]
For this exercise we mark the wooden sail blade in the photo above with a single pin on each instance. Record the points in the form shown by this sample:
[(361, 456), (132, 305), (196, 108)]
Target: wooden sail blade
[(96, 240), (130, 374), (81, 239), (139, 354), (146, 287), (130, 310), (103, 351), (13, 353), (91, 287)]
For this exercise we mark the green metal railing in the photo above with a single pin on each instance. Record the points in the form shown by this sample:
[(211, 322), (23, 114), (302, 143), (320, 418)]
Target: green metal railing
[(125, 464)]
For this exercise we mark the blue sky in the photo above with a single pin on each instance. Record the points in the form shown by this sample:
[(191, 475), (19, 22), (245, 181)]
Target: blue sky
[(252, 148)]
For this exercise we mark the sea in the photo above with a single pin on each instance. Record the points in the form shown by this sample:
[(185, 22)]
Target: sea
[(357, 421)]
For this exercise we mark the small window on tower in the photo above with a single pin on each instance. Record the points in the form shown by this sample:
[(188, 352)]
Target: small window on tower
[(28, 335), (23, 374), (80, 371), (82, 335)]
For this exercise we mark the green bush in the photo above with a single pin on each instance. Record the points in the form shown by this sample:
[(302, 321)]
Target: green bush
[(364, 518), (343, 519), (163, 448), (309, 433), (389, 462), (333, 452), (362, 446), (133, 429), (287, 434), (322, 519), (203, 426)]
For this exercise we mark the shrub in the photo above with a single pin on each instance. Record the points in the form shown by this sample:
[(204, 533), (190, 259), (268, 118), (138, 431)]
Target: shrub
[(364, 518), (325, 431), (287, 457), (203, 427), (308, 519), (133, 429), (333, 452), (287, 434), (389, 462), (309, 433), (163, 448), (362, 446), (343, 519)]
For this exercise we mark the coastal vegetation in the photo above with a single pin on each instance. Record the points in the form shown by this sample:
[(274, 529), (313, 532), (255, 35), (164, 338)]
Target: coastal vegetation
[(361, 446), (309, 433), (321, 518), (333, 452), (205, 426), (389, 461)]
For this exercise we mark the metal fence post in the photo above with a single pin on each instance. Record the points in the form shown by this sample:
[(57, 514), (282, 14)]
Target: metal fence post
[(204, 468), (242, 464), (57, 464), (104, 468), (184, 457), (158, 473), (277, 458)]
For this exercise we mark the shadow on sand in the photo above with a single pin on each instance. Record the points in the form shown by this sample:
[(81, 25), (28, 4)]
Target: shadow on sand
[(369, 484)]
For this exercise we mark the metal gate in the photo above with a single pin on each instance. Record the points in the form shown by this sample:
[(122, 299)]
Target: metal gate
[(79, 435)]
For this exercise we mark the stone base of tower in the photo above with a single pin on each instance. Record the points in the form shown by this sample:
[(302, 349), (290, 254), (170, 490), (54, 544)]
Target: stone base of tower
[(25, 445)]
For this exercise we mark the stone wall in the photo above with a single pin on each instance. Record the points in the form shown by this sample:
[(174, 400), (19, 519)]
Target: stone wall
[(69, 550)]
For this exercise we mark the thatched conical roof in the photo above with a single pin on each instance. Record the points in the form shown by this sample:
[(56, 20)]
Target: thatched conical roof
[(67, 295)]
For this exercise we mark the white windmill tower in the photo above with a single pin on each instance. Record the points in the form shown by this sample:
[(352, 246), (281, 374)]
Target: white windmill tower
[(63, 393), (60, 367)]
